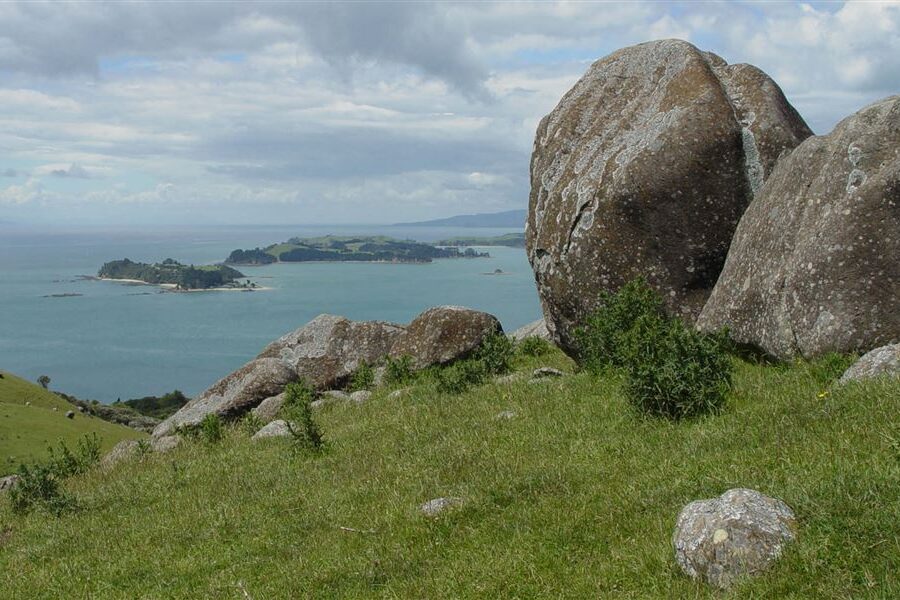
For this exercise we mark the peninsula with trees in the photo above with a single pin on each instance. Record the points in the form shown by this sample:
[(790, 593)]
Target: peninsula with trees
[(349, 249), (174, 275), (510, 240)]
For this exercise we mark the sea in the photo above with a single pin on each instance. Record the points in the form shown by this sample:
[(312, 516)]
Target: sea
[(107, 340)]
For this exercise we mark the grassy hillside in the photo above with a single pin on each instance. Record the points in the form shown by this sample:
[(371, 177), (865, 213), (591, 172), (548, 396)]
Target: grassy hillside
[(574, 497), (26, 431)]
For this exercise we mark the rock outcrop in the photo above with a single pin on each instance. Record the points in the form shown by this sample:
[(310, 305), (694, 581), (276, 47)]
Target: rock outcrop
[(644, 169), (880, 362), (536, 329), (326, 351), (121, 451), (269, 408), (233, 395), (815, 262), (277, 428), (7, 483), (739, 533), (443, 334)]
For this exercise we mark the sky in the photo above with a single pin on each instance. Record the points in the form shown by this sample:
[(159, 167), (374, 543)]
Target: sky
[(354, 112)]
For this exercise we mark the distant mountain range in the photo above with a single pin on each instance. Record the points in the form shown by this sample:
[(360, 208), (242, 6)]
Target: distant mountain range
[(509, 218)]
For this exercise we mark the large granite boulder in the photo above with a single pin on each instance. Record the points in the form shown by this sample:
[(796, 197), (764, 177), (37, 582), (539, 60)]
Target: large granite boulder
[(326, 351), (815, 262), (880, 362), (443, 334), (233, 395), (739, 533), (644, 169)]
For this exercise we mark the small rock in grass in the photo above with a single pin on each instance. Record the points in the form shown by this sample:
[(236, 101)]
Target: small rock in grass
[(542, 372), (70, 414), (336, 395), (7, 483), (398, 393), (504, 379), (434, 507), (880, 362), (361, 396), (268, 409), (742, 532), (505, 415), (81, 409), (276, 428), (165, 443), (119, 452)]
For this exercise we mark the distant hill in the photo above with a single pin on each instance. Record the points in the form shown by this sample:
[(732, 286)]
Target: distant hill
[(509, 218), (347, 249), (512, 240), (32, 418)]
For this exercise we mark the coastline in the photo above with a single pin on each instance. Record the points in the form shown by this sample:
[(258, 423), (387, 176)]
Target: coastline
[(171, 287)]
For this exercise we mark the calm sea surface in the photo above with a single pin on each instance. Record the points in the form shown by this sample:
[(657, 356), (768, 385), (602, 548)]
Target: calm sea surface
[(123, 341)]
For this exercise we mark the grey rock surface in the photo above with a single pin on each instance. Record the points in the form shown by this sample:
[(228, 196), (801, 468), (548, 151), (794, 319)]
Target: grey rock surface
[(814, 266), (269, 408), (335, 395), (397, 394), (121, 451), (165, 443), (542, 372), (880, 362), (742, 532), (436, 506), (644, 169), (326, 351), (233, 395), (277, 428), (536, 329), (505, 415), (444, 334), (7, 483), (361, 396)]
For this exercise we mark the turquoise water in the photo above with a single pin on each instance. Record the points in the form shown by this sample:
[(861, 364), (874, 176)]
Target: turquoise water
[(124, 341)]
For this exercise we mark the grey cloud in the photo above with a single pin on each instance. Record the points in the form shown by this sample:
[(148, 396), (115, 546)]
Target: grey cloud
[(64, 39), (10, 172), (284, 154), (74, 172)]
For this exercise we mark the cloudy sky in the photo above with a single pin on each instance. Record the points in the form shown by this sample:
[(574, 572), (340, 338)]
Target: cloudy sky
[(354, 112)]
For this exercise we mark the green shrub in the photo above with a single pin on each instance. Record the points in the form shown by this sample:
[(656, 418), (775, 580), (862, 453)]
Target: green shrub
[(211, 429), (363, 378), (251, 423), (460, 376), (297, 413), (398, 371), (674, 371), (39, 487), (533, 346), (603, 338), (495, 353), (65, 463)]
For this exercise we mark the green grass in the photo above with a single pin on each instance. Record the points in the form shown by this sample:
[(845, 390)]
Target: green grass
[(27, 431), (575, 497)]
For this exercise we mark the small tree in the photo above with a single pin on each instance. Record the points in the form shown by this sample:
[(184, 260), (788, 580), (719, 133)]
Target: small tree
[(297, 414), (44, 381)]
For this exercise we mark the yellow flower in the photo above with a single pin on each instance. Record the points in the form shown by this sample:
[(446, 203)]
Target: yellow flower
[(823, 394)]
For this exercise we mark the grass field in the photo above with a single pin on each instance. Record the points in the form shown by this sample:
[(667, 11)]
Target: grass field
[(574, 497), (27, 430)]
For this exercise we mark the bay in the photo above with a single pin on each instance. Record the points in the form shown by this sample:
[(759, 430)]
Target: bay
[(123, 341)]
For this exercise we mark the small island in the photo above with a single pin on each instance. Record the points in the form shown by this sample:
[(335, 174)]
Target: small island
[(348, 249), (173, 274), (510, 240)]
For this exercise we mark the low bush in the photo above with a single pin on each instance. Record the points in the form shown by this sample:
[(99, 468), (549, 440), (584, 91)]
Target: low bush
[(65, 463), (211, 429), (603, 338), (251, 423), (674, 371), (39, 487), (460, 376), (533, 346), (495, 354), (398, 371), (363, 378), (829, 368), (297, 412)]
